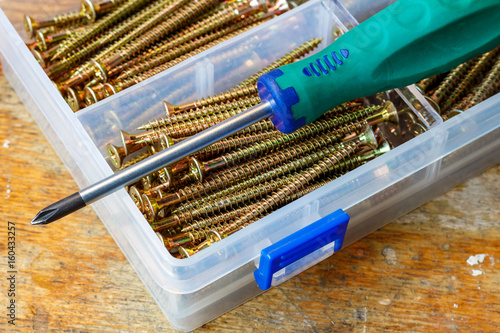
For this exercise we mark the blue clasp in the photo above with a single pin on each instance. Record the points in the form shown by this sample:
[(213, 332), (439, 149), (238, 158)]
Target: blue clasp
[(300, 249)]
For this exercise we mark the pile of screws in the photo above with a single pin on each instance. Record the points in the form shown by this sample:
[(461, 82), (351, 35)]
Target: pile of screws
[(465, 86), (238, 180), (110, 45)]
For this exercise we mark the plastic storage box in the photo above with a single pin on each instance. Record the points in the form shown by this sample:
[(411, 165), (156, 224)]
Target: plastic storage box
[(192, 291)]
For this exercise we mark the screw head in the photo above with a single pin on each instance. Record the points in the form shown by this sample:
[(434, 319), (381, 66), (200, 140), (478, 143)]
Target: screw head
[(73, 99), (114, 155), (196, 168), (126, 139), (137, 198), (40, 39), (29, 26), (146, 182), (433, 103), (185, 253), (149, 210), (88, 11), (384, 147), (90, 96), (165, 141), (101, 71), (368, 137), (108, 90), (391, 113), (169, 108), (165, 177), (38, 56), (214, 236)]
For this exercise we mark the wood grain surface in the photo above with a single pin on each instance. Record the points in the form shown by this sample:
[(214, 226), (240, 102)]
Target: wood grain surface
[(411, 275)]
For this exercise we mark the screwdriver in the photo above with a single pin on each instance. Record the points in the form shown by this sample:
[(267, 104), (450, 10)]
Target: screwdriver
[(402, 44)]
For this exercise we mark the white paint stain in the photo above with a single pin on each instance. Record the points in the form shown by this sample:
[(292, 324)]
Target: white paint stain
[(475, 260), (6, 143), (390, 255), (8, 190), (385, 301), (476, 272), (492, 260), (455, 306)]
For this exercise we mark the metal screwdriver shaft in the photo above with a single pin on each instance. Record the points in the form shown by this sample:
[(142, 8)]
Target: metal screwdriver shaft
[(167, 157)]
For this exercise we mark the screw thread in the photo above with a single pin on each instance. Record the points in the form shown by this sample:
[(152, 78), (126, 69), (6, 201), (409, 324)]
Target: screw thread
[(303, 133), (303, 179), (452, 80), (147, 15), (128, 82), (286, 59), (280, 171), (228, 176), (213, 39), (192, 126), (228, 202), (211, 221), (67, 18), (201, 112), (486, 89), (140, 35), (184, 14), (428, 83), (231, 143), (220, 98), (107, 21), (482, 65), (257, 212)]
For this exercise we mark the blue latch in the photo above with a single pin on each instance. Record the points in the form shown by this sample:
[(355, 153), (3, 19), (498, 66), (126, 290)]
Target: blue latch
[(330, 229)]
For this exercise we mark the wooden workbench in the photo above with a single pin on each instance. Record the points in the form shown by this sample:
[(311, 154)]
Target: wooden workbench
[(411, 275)]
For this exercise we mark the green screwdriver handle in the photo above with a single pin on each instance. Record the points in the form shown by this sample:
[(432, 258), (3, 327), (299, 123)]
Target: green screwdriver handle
[(406, 42)]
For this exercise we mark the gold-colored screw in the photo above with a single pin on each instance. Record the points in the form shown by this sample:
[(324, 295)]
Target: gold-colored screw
[(241, 172), (171, 109), (452, 80), (184, 14), (133, 23), (217, 206), (195, 30), (291, 167), (201, 113), (91, 10), (148, 62), (242, 90), (31, 25), (487, 88), (481, 66), (115, 16), (303, 179), (388, 113)]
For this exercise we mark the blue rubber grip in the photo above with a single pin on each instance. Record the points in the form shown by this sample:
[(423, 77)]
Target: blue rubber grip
[(329, 229), (281, 101)]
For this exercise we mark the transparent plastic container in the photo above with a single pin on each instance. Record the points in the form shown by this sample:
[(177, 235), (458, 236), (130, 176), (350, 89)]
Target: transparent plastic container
[(193, 291)]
